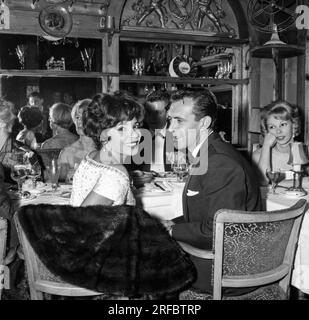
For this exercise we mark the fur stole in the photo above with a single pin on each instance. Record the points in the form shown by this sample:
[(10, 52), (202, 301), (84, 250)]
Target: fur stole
[(115, 250)]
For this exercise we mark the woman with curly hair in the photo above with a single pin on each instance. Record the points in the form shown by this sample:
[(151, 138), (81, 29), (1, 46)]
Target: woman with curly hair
[(280, 123), (30, 118), (112, 121)]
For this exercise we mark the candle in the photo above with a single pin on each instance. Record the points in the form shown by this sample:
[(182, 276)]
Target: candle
[(110, 22)]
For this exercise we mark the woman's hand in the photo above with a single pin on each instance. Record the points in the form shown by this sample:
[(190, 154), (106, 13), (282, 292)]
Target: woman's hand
[(269, 140)]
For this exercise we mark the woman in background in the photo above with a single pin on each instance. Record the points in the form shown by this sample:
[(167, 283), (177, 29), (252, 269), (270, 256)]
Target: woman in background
[(280, 123), (30, 118), (60, 121), (112, 121), (7, 119), (71, 156), (7, 212)]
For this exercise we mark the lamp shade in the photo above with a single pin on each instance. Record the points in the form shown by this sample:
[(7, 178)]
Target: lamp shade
[(298, 153)]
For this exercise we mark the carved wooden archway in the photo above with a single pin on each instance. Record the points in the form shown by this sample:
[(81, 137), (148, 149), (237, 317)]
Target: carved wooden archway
[(119, 8)]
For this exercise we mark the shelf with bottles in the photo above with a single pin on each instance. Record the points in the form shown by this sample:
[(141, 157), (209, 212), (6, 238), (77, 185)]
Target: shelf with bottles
[(54, 74), (177, 63), (21, 52), (186, 80)]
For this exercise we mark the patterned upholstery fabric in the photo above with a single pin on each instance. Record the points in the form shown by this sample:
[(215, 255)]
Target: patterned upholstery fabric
[(45, 274), (243, 243), (270, 292)]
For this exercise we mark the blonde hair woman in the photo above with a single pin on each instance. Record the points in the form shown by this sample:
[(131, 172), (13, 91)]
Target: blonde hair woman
[(72, 155), (60, 120), (280, 123)]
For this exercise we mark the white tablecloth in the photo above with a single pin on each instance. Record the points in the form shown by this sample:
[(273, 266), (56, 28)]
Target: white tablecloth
[(164, 205), (300, 274)]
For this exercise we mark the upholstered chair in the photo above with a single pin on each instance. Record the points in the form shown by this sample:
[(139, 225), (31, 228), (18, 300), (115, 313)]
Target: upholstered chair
[(251, 250)]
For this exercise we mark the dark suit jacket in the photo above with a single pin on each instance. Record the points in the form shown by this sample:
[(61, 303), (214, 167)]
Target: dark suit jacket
[(228, 183)]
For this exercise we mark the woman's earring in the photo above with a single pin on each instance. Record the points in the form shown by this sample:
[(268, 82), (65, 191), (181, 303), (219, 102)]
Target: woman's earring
[(104, 143)]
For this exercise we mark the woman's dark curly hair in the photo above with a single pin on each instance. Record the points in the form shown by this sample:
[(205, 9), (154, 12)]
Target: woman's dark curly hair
[(107, 110), (30, 117)]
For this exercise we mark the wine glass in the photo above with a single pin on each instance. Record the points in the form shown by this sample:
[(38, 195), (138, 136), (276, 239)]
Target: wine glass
[(274, 177), (179, 165), (135, 66), (19, 172), (141, 66), (34, 173), (21, 53), (89, 55)]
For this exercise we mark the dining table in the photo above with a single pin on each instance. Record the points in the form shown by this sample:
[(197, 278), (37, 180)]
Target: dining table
[(282, 199), (162, 198)]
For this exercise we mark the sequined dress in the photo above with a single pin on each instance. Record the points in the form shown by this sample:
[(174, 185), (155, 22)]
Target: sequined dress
[(104, 180)]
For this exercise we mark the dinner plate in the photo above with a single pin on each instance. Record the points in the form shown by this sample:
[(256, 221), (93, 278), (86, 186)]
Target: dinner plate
[(16, 196)]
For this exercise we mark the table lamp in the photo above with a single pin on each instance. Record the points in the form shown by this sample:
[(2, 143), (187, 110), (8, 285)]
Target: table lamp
[(298, 157)]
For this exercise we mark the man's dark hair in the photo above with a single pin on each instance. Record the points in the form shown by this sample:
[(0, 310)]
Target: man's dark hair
[(158, 95), (30, 117), (205, 103), (35, 94)]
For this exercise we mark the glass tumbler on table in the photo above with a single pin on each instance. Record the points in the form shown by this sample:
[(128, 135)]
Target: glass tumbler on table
[(179, 165), (53, 172), (34, 173), (275, 176)]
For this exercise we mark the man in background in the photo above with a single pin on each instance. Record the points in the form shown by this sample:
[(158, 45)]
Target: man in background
[(155, 121), (35, 100)]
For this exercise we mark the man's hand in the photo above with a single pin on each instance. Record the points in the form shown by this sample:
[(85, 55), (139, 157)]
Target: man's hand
[(168, 225)]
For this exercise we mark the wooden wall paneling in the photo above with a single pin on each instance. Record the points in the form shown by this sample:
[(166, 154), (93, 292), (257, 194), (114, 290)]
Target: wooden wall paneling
[(27, 22), (110, 63), (237, 100), (254, 68), (306, 93), (245, 98)]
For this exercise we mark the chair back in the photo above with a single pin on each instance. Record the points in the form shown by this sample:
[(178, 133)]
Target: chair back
[(40, 279), (255, 248), (3, 236)]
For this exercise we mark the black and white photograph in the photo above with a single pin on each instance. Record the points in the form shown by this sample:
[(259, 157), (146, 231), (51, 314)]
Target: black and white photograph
[(154, 154)]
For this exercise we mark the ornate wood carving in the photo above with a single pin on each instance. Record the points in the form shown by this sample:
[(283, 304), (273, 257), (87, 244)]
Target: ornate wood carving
[(203, 15)]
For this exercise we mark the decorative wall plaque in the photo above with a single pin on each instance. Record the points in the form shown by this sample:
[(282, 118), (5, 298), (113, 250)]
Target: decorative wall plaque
[(56, 21)]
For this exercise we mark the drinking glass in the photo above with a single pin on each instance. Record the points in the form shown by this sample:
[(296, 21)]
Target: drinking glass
[(134, 63), (21, 53), (274, 176), (19, 172), (179, 165), (34, 173), (53, 172)]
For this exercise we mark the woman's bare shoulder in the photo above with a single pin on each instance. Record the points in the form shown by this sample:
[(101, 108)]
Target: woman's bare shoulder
[(121, 168)]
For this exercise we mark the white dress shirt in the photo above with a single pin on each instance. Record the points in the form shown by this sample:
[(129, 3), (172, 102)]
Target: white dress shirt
[(157, 162)]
